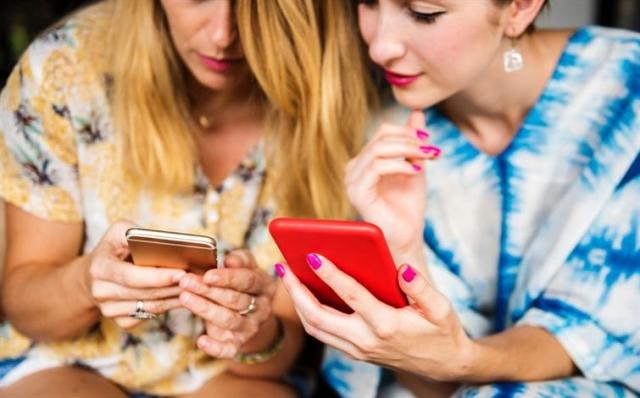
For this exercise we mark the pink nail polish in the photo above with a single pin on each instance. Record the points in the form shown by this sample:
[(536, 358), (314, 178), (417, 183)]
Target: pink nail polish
[(416, 167), (430, 149), (422, 135), (408, 274), (279, 270), (314, 261)]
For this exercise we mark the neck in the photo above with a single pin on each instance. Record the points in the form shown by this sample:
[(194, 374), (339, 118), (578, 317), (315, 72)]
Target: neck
[(218, 108), (491, 111)]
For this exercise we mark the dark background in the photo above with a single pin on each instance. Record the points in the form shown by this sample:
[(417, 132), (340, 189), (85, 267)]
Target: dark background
[(21, 20)]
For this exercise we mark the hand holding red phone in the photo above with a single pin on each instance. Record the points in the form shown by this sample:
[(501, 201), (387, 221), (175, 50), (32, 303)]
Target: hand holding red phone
[(118, 288), (423, 338), (386, 182), (235, 301)]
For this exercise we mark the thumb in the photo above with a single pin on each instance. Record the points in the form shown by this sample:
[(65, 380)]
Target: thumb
[(239, 258), (435, 307), (416, 120)]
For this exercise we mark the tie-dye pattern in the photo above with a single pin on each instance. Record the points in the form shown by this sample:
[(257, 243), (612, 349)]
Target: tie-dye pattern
[(547, 233)]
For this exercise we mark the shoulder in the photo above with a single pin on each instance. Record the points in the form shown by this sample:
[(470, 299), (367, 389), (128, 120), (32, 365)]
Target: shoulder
[(599, 46), (70, 52)]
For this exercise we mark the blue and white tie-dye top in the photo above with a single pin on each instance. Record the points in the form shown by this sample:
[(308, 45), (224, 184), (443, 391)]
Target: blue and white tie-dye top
[(547, 233)]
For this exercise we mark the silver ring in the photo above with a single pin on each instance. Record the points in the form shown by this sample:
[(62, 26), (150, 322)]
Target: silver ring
[(250, 308), (140, 313)]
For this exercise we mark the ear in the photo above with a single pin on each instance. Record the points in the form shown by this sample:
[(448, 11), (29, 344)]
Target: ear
[(521, 14)]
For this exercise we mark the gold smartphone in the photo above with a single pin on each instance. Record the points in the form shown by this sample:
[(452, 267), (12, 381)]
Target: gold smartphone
[(155, 248)]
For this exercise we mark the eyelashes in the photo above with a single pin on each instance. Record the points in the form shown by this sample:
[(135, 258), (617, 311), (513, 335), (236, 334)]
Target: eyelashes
[(425, 17)]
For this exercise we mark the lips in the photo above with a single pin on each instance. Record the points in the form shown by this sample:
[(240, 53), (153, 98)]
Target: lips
[(219, 64), (400, 80)]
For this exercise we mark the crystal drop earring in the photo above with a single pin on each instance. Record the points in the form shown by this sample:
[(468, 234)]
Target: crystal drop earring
[(513, 60)]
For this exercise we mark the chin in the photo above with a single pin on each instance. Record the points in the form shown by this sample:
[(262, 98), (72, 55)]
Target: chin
[(215, 81), (415, 98)]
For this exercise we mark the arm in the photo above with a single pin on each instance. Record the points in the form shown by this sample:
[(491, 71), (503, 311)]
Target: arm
[(43, 275), (520, 354), (425, 339), (51, 293)]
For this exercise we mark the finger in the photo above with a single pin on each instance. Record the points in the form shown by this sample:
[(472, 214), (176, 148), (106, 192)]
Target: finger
[(372, 310), (110, 291), (332, 340), (320, 321), (389, 147), (381, 168), (229, 298), (216, 314), (389, 130), (250, 281), (134, 276), (318, 315), (126, 322), (115, 237), (367, 184), (393, 150), (435, 307), (240, 258), (416, 120), (224, 335), (216, 349), (115, 309)]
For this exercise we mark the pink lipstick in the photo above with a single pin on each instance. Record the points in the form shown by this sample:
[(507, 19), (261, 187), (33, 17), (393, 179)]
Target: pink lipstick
[(400, 80), (219, 64)]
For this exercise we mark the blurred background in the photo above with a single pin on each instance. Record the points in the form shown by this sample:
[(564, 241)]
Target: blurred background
[(21, 20)]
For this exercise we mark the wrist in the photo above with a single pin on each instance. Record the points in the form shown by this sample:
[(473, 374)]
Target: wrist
[(80, 271), (477, 363), (266, 353), (264, 338)]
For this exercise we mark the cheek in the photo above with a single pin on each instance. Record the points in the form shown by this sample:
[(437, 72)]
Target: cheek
[(455, 56), (367, 23)]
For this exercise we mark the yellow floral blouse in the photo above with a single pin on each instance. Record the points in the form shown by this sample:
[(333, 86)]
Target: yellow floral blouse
[(57, 162)]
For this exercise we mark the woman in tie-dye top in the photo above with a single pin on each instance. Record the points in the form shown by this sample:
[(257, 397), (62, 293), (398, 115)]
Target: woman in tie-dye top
[(177, 115), (525, 275)]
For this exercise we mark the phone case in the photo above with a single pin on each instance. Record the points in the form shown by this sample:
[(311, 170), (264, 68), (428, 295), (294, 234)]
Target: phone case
[(357, 248), (156, 248)]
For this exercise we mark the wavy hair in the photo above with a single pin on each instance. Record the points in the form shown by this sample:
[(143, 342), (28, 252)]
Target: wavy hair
[(302, 53)]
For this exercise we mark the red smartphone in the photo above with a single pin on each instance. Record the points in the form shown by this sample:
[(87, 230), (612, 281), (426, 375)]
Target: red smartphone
[(357, 248)]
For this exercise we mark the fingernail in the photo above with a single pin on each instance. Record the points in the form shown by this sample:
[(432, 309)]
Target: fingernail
[(430, 149), (177, 277), (185, 297), (279, 270), (416, 167), (421, 134), (186, 283), (408, 274), (203, 342), (314, 261), (212, 278)]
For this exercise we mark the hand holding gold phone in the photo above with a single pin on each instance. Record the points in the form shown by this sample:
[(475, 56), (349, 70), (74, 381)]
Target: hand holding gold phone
[(155, 248)]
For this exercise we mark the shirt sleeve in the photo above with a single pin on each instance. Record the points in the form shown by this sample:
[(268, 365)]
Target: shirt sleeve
[(38, 151), (591, 305)]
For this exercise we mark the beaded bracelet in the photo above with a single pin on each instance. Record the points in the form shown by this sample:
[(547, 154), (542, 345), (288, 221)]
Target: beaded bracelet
[(252, 358)]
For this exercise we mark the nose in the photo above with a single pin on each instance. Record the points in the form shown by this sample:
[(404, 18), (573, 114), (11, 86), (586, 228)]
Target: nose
[(386, 45), (222, 25)]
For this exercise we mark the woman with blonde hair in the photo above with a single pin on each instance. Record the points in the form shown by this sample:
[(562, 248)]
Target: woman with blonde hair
[(203, 117)]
